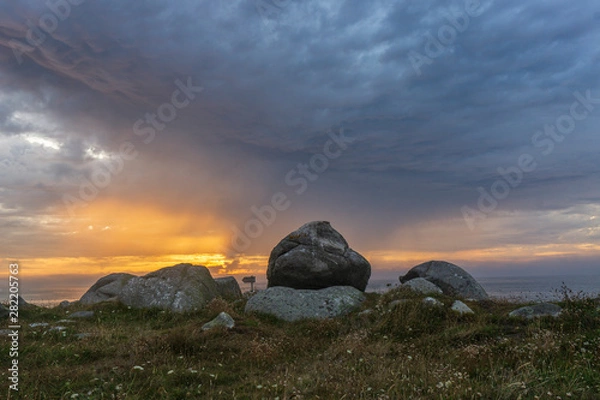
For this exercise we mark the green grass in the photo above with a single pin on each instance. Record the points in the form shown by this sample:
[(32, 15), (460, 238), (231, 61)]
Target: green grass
[(411, 351)]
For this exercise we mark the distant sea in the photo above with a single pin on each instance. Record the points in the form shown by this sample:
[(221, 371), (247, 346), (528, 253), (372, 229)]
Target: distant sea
[(524, 288)]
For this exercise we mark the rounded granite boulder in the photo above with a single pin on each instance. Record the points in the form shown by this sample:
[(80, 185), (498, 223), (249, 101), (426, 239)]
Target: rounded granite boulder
[(452, 279), (316, 256)]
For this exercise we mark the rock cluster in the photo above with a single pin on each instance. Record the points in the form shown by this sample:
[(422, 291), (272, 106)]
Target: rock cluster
[(451, 279), (180, 288), (312, 273)]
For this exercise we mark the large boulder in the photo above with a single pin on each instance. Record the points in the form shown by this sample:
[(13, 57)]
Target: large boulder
[(228, 288), (452, 279), (183, 287), (316, 256), (295, 304), (106, 288)]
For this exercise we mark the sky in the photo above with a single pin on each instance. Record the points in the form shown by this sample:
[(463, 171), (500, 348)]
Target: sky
[(137, 135)]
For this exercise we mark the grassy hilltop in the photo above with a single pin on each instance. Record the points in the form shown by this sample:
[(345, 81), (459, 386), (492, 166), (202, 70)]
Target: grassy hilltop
[(411, 351)]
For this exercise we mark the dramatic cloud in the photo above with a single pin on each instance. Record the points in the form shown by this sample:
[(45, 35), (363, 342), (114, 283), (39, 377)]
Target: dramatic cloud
[(416, 128)]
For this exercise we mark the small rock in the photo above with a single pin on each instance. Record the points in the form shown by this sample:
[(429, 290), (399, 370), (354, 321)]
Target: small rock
[(537, 310), (64, 304), (423, 286), (23, 303), (223, 319), (57, 328), (82, 314), (430, 301), (82, 335), (5, 332), (395, 303), (365, 313), (228, 288), (461, 308), (38, 324)]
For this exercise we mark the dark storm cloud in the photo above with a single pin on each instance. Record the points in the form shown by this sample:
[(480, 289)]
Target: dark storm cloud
[(273, 86)]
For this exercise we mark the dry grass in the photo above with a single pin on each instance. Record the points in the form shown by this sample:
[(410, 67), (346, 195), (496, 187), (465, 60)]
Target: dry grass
[(410, 351)]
